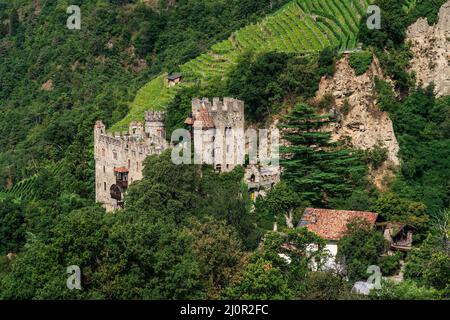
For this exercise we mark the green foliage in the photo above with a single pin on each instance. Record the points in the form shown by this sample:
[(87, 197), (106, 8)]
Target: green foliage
[(264, 80), (394, 208), (406, 290), (179, 109), (361, 61), (313, 166), (254, 81), (279, 268), (280, 202), (390, 264), (360, 248), (327, 61), (260, 281), (386, 100), (421, 124), (376, 156), (219, 252), (429, 264), (325, 286), (180, 236), (395, 64), (360, 199), (12, 225)]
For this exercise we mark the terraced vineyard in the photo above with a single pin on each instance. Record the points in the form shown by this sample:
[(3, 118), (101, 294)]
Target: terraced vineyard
[(23, 190), (300, 26)]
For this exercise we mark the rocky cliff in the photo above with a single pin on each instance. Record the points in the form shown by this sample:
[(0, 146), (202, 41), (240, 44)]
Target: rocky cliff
[(358, 118), (431, 48)]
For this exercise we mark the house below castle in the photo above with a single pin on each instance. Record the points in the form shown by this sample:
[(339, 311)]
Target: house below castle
[(331, 225)]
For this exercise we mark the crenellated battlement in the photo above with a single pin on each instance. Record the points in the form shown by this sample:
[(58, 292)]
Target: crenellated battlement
[(125, 151), (155, 116), (217, 105)]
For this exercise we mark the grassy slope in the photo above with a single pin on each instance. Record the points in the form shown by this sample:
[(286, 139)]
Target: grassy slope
[(299, 26)]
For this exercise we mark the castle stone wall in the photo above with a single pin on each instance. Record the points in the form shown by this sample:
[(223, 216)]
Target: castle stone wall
[(123, 150)]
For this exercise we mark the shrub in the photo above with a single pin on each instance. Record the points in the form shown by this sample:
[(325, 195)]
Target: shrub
[(376, 156), (390, 265), (361, 61), (406, 290)]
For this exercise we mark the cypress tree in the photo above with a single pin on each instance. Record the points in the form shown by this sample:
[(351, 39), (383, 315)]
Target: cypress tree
[(313, 166)]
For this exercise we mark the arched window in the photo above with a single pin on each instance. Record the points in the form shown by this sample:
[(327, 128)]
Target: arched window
[(252, 178)]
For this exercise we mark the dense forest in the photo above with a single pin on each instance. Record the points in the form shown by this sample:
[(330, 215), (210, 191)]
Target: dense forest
[(187, 232)]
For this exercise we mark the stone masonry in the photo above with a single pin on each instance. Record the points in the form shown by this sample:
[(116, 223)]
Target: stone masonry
[(119, 157)]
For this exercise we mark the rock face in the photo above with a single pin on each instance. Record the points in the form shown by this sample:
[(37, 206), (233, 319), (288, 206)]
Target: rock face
[(363, 122), (358, 117), (431, 49)]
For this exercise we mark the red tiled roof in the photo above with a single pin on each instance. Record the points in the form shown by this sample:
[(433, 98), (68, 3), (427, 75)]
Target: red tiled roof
[(121, 170), (332, 224), (205, 118)]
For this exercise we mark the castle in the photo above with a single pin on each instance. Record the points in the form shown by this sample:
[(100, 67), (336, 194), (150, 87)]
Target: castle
[(210, 121), (119, 157)]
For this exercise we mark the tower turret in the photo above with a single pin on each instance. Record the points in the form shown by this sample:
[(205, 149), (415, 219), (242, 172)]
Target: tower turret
[(154, 123)]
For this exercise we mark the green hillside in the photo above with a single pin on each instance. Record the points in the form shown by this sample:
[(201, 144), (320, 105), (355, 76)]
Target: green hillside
[(26, 189), (299, 26)]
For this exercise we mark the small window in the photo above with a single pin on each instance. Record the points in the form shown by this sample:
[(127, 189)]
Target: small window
[(104, 169), (104, 186), (115, 155), (103, 152)]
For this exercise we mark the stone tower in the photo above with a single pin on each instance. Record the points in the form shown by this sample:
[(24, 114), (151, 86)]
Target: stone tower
[(210, 122), (154, 123), (119, 157)]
